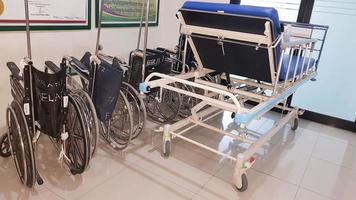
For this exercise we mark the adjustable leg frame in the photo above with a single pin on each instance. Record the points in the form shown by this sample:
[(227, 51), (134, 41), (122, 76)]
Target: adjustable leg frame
[(219, 100)]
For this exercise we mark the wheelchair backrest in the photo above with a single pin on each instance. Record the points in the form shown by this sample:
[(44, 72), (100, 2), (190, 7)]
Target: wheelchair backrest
[(216, 39), (107, 85), (48, 91)]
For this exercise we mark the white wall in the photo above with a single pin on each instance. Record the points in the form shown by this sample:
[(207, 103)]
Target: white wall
[(52, 45)]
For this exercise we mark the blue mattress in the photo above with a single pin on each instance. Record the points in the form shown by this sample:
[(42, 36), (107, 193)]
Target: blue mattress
[(254, 11), (284, 69)]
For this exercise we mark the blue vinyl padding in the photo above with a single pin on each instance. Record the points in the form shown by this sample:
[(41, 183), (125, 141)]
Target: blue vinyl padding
[(264, 107), (254, 11), (284, 69)]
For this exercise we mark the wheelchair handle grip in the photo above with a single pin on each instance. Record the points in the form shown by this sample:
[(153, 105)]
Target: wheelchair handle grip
[(78, 63), (53, 67), (14, 69)]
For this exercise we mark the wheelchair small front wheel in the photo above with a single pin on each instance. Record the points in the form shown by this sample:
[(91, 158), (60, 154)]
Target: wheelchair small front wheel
[(5, 151)]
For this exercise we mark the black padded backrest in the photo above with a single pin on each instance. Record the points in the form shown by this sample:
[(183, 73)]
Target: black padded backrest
[(48, 92), (237, 58), (108, 80)]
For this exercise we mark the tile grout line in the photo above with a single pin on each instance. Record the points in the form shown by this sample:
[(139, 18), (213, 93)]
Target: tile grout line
[(52, 192), (307, 166), (126, 167), (322, 195)]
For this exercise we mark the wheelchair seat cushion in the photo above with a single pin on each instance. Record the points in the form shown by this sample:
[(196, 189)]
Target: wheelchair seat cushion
[(284, 69)]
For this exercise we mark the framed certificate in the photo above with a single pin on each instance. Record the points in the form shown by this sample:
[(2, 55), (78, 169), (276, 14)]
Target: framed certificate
[(46, 14), (126, 13)]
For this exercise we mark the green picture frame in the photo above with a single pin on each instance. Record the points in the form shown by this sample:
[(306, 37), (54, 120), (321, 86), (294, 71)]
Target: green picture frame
[(53, 26), (131, 21)]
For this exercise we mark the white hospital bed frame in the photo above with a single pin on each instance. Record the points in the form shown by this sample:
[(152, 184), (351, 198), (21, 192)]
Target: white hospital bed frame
[(220, 98)]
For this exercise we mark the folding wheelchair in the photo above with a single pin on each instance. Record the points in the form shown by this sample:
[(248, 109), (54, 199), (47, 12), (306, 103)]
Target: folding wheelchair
[(43, 104), (119, 108)]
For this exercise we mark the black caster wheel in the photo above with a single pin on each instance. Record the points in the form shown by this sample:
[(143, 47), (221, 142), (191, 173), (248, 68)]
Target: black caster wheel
[(167, 148), (39, 180), (4, 146), (244, 185), (295, 124)]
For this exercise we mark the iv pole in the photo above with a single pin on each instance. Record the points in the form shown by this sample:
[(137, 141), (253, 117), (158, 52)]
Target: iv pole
[(27, 15)]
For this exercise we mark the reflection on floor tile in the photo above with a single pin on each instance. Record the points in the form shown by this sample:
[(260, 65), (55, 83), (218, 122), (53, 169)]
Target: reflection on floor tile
[(261, 186), (185, 173), (304, 194), (336, 152), (330, 180), (283, 164), (316, 162), (138, 183)]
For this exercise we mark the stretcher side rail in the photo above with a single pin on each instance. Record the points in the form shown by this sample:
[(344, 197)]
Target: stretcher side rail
[(290, 57)]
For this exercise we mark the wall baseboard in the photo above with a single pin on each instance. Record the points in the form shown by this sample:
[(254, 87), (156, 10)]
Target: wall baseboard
[(322, 119), (328, 120)]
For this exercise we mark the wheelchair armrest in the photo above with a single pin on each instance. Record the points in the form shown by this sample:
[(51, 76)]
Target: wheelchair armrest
[(53, 67), (79, 64), (14, 69)]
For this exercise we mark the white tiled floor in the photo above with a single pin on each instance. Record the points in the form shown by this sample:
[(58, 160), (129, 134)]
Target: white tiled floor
[(316, 162)]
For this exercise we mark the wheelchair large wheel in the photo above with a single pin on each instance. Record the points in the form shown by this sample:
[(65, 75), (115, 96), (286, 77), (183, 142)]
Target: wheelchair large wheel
[(90, 117), (77, 145), (5, 151), (163, 106), (118, 130), (188, 102), (21, 144), (138, 108)]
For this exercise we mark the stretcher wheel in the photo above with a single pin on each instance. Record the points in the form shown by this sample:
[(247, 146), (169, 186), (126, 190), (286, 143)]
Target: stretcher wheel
[(21, 144), (295, 124), (4, 146), (167, 148), (244, 184)]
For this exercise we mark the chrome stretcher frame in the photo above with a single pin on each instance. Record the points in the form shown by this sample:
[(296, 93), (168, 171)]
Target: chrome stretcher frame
[(232, 98)]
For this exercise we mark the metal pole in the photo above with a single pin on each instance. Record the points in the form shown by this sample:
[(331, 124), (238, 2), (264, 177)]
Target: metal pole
[(141, 24), (145, 40), (99, 28), (27, 15)]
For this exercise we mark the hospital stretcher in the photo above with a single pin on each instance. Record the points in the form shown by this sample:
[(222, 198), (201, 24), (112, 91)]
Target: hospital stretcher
[(253, 49)]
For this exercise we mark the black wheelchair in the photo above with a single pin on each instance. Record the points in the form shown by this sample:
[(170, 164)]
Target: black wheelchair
[(43, 104), (165, 106), (119, 108)]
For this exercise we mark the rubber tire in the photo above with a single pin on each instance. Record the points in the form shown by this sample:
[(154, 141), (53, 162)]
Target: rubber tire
[(167, 149), (2, 141), (244, 183), (295, 124)]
